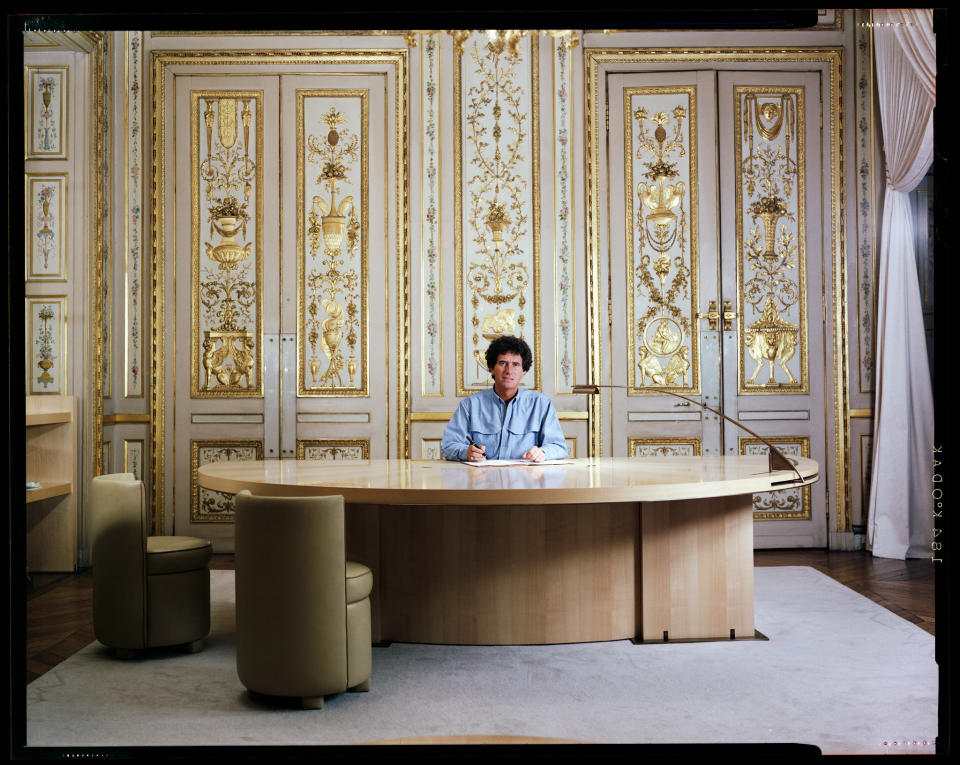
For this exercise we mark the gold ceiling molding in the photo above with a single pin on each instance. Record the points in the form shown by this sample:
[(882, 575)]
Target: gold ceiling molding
[(595, 59), (509, 38)]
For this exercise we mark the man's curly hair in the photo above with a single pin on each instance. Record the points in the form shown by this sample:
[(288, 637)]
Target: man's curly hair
[(509, 344)]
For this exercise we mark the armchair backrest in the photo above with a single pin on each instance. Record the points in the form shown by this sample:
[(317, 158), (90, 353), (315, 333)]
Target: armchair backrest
[(118, 533), (291, 592)]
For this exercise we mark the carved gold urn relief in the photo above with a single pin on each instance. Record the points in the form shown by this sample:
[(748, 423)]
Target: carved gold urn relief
[(770, 194), (227, 290), (333, 303)]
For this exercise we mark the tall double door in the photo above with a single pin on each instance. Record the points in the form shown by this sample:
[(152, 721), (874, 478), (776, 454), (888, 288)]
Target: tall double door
[(716, 248), (282, 310)]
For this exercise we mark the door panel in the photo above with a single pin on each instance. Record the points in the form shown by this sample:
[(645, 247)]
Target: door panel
[(283, 202), (335, 378), (774, 352), (715, 278), (225, 301), (663, 262)]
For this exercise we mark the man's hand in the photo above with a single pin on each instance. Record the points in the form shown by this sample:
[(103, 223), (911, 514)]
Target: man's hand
[(534, 454), (476, 453)]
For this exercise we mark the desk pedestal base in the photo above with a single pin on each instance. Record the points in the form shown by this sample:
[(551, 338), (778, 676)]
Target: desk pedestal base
[(537, 574)]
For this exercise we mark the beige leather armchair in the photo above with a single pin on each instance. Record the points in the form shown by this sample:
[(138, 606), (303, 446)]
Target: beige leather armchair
[(303, 609), (147, 591)]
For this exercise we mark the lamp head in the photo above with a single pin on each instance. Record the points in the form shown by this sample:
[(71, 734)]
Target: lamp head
[(589, 390)]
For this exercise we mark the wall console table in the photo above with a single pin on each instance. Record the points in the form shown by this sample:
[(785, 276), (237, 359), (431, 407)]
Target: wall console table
[(649, 549), (51, 462)]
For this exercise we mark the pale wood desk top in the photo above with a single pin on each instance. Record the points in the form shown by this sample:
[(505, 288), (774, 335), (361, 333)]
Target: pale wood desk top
[(438, 482)]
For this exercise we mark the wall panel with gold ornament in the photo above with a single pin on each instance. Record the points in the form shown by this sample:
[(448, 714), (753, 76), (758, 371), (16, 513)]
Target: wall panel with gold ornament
[(662, 271), (662, 231), (497, 191), (664, 447), (47, 345), (47, 226), (333, 242), (787, 504), (47, 91), (209, 506), (227, 214), (747, 291), (771, 237), (333, 449), (300, 240)]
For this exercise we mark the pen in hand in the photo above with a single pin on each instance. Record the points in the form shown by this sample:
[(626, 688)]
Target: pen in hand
[(478, 447)]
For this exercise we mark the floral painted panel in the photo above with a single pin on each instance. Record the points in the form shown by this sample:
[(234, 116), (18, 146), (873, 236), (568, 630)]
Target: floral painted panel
[(46, 230), (47, 113), (432, 206), (133, 272), (46, 344)]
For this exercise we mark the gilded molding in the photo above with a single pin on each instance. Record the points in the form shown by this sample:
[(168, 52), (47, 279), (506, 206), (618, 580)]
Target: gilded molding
[(117, 419), (100, 258), (833, 57)]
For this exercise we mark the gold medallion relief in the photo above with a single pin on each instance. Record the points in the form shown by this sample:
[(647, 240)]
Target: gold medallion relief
[(770, 189), (661, 237), (227, 298)]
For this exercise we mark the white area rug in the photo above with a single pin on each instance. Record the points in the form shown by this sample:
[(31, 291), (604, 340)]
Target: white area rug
[(838, 671)]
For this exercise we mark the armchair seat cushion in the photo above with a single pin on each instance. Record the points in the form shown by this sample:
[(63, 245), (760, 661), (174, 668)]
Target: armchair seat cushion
[(174, 555), (359, 581)]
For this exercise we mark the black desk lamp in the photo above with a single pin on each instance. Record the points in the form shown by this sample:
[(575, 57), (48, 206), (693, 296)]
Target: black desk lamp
[(777, 460)]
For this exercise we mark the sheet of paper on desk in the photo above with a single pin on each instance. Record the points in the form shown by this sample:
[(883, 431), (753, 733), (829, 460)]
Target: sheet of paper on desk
[(505, 463)]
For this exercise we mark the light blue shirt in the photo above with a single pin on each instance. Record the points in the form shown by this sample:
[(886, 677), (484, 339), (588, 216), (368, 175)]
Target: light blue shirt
[(507, 430)]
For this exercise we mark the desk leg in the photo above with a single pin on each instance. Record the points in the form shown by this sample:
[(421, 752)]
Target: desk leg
[(697, 569)]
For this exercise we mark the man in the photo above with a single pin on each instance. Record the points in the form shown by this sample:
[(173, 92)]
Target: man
[(505, 422)]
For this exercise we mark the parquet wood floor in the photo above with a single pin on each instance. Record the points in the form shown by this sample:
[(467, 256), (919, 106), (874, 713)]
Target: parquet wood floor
[(59, 619)]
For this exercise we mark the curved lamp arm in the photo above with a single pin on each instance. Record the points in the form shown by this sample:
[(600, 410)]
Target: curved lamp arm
[(777, 459)]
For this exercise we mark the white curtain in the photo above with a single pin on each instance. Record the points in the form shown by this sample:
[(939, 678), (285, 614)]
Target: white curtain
[(900, 520)]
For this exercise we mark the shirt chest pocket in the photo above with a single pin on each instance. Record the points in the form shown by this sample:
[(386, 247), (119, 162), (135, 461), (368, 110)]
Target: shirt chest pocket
[(522, 436), (485, 430)]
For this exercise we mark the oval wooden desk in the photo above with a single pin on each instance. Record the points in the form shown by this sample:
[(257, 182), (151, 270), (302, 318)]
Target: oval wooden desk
[(600, 549)]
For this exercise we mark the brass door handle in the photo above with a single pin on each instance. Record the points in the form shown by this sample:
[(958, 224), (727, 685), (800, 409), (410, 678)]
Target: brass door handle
[(712, 315), (728, 315)]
